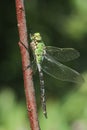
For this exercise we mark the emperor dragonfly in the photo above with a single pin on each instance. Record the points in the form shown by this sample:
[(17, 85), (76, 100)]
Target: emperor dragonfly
[(48, 59)]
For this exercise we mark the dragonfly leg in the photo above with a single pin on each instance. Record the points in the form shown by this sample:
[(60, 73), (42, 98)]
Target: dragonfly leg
[(23, 45), (29, 66)]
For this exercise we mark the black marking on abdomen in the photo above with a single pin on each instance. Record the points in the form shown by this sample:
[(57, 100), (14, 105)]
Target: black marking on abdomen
[(43, 97)]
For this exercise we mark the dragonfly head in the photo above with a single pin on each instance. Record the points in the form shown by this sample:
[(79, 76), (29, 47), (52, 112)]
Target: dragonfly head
[(36, 37)]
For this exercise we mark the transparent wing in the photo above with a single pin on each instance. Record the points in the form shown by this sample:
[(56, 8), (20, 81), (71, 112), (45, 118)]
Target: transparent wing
[(62, 54), (60, 71)]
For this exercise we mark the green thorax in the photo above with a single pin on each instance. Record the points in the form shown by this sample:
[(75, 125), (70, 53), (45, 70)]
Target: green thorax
[(38, 47)]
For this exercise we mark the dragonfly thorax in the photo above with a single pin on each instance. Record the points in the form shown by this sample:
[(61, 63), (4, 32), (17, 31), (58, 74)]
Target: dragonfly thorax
[(38, 47)]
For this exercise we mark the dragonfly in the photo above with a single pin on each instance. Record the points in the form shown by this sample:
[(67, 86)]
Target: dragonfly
[(48, 59)]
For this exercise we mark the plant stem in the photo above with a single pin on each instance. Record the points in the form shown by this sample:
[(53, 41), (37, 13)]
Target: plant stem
[(27, 73)]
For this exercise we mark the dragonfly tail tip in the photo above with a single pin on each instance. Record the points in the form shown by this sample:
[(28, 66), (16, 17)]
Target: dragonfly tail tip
[(45, 114)]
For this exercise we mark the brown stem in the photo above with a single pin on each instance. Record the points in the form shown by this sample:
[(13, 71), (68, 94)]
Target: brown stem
[(27, 73)]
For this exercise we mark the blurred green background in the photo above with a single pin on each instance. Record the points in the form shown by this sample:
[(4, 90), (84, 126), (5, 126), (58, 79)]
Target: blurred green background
[(62, 24)]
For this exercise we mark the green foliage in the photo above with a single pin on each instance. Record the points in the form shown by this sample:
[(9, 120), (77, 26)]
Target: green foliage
[(75, 26), (12, 114)]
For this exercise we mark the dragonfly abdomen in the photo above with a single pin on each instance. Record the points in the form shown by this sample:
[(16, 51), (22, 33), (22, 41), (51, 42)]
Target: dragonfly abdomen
[(43, 97)]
